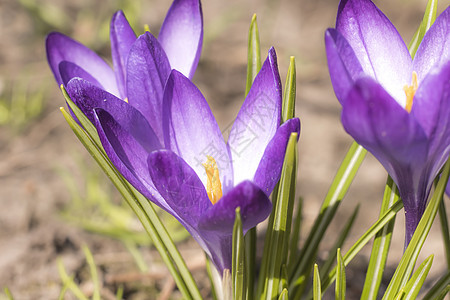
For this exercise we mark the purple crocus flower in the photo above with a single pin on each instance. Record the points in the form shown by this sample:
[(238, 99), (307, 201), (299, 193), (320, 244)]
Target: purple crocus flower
[(396, 107), (192, 172), (177, 47)]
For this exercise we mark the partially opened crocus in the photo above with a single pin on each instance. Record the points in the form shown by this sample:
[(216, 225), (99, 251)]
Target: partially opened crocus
[(194, 174), (141, 65), (396, 107)]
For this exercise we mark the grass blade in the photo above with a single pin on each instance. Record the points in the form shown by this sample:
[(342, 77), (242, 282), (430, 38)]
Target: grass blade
[(439, 288), (362, 241), (238, 260), (288, 110), (326, 267), (277, 250), (295, 233), (317, 292), (414, 285), (340, 277), (254, 54), (93, 271), (344, 177), (428, 20), (445, 231), (380, 246)]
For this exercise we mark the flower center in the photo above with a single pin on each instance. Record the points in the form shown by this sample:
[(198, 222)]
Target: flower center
[(410, 91), (213, 186)]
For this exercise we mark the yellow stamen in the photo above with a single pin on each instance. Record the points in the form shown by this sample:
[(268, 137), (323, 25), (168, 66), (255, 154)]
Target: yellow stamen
[(146, 28), (213, 186), (126, 99), (410, 91)]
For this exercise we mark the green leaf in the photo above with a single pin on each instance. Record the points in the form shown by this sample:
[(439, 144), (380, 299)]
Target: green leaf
[(254, 54), (143, 209), (441, 287), (277, 250), (250, 262), (317, 293), (284, 295), (381, 244), (428, 20), (93, 271), (295, 233), (344, 177), (69, 283), (340, 277), (8, 294), (406, 265), (362, 241), (288, 110), (214, 277), (238, 260), (445, 231), (326, 267), (414, 285)]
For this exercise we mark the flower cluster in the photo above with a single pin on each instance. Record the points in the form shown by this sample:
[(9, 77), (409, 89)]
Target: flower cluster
[(396, 107), (159, 132)]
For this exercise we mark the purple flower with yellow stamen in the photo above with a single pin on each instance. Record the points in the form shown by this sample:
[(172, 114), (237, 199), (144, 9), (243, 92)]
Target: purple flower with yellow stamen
[(192, 172), (396, 107), (178, 47)]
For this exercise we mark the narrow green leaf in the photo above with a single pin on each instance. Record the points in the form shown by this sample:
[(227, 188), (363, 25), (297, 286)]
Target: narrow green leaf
[(340, 277), (428, 20), (212, 271), (317, 293), (87, 125), (8, 294), (344, 177), (250, 262), (145, 212), (69, 283), (326, 267), (381, 244), (93, 271), (119, 293), (400, 295), (238, 263), (406, 265), (254, 54), (278, 247), (414, 285), (283, 279), (284, 295), (362, 241), (295, 233), (439, 288), (288, 110), (445, 231)]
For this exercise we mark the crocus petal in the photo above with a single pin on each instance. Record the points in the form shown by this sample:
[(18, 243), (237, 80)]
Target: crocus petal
[(431, 108), (147, 72), (435, 46), (181, 35), (87, 96), (69, 70), (254, 204), (62, 48), (377, 122), (179, 185), (343, 65), (257, 121), (122, 38), (269, 169), (377, 45), (128, 145), (191, 129)]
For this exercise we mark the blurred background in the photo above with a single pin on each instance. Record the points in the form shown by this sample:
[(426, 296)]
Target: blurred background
[(54, 199)]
